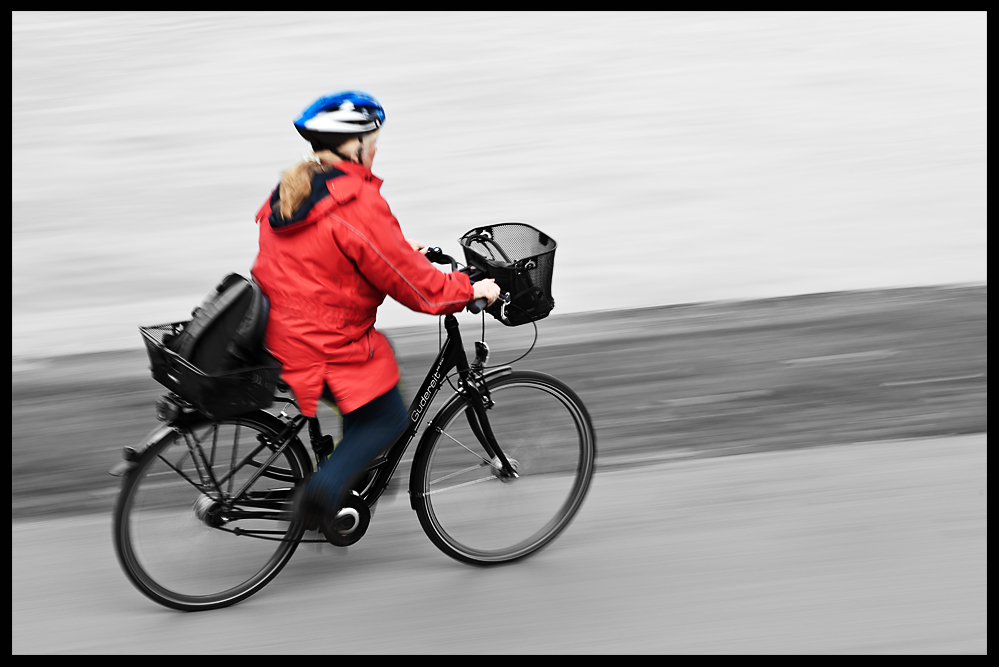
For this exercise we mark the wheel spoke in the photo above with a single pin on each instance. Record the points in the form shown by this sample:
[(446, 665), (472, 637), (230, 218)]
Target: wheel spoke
[(232, 462), (455, 474), (475, 454), (180, 472), (215, 442), (196, 452), (490, 478)]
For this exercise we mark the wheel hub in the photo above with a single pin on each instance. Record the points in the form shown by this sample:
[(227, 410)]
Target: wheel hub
[(497, 467), (209, 511)]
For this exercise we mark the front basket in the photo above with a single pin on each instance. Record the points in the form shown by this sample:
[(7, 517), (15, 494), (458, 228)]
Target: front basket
[(219, 396), (521, 259)]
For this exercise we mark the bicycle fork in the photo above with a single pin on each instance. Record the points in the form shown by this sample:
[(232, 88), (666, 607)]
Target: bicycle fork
[(478, 421), (476, 393)]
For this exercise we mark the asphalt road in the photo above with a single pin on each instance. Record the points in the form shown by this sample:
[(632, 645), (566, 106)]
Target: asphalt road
[(861, 548)]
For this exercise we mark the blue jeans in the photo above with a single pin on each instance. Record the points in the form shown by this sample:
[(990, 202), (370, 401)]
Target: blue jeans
[(368, 432)]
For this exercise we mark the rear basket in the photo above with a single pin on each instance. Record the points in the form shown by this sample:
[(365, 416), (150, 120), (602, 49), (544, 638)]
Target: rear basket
[(521, 259), (218, 396)]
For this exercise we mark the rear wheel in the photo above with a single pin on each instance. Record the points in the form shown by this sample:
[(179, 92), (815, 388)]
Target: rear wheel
[(469, 509), (204, 520)]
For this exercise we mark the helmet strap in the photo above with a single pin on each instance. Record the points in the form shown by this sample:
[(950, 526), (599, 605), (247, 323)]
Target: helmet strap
[(360, 149), (340, 155), (336, 151)]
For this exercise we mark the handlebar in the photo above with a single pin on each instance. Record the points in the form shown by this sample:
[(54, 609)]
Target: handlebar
[(437, 256), (477, 306)]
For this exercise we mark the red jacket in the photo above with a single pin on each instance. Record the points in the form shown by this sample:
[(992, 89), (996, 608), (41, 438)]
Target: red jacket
[(326, 271)]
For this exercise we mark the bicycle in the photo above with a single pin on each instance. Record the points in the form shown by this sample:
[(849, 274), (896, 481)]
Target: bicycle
[(498, 474)]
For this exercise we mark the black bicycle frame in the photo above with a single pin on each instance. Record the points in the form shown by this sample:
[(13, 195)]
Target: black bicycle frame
[(470, 385)]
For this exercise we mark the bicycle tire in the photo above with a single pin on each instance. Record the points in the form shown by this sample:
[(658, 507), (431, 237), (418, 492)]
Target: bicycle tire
[(473, 515), (173, 538)]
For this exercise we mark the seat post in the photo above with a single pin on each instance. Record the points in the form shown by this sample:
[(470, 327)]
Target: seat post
[(322, 445)]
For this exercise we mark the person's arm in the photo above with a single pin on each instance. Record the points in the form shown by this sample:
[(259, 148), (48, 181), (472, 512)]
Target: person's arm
[(391, 263)]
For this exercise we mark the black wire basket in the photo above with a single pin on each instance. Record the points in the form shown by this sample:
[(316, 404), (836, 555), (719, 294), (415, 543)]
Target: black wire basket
[(219, 395), (521, 259)]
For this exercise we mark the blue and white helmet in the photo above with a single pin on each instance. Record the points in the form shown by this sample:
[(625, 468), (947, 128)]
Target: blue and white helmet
[(333, 118)]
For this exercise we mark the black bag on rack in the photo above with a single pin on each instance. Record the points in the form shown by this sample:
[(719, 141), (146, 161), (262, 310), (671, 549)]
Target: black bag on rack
[(227, 330), (217, 360)]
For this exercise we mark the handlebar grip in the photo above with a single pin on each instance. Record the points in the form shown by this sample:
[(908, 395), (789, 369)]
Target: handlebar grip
[(477, 306)]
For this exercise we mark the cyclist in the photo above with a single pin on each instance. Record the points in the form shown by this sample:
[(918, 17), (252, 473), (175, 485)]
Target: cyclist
[(330, 251)]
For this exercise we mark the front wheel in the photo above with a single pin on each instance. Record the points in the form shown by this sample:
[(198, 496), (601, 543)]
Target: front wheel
[(470, 510), (205, 519)]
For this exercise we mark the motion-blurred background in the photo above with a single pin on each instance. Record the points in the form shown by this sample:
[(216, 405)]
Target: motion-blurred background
[(674, 157)]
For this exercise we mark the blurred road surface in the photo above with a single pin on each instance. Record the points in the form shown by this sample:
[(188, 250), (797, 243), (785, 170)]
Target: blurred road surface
[(873, 549)]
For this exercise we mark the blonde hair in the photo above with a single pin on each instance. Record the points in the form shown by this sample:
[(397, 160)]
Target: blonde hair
[(296, 183)]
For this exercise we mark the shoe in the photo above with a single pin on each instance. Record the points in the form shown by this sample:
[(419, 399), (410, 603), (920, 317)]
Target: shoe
[(307, 509)]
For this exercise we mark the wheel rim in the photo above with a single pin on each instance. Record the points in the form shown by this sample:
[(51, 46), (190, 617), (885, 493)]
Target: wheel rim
[(186, 546), (487, 518)]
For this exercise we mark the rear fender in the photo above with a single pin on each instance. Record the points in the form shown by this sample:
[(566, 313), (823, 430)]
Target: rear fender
[(132, 453)]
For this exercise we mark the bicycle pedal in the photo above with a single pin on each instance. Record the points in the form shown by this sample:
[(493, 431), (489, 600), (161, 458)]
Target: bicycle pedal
[(323, 447)]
